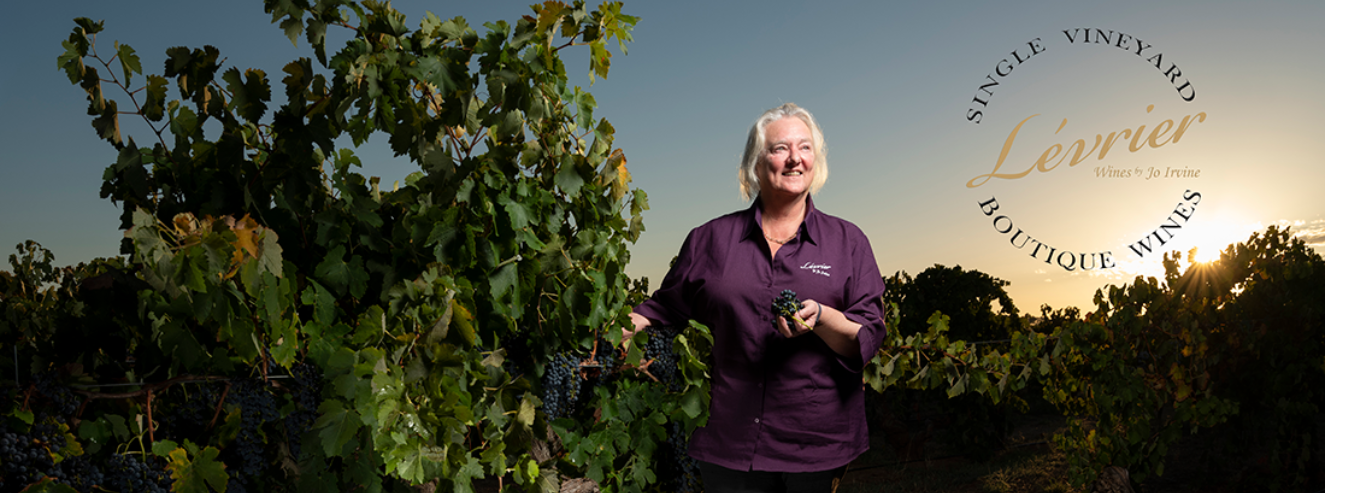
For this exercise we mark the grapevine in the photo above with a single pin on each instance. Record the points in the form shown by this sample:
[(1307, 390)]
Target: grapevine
[(323, 330)]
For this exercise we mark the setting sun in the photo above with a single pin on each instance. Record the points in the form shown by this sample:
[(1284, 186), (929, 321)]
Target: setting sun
[(1211, 238)]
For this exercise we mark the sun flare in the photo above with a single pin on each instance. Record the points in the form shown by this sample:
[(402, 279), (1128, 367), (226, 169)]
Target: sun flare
[(1208, 238), (1211, 239)]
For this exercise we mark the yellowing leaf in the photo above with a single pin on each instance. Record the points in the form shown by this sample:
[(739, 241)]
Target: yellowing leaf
[(462, 319), (185, 224), (620, 185), (199, 473)]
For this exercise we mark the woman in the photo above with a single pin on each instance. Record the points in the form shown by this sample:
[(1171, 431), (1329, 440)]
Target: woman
[(788, 399)]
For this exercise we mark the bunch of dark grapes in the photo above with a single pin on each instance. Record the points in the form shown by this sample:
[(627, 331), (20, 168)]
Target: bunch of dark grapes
[(660, 349), (607, 356), (307, 379), (78, 472), (25, 459), (187, 410), (786, 305), (258, 406), (126, 473), (63, 402), (604, 370), (687, 477), (561, 385)]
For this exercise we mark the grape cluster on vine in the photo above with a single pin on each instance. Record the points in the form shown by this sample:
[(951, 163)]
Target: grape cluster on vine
[(257, 406), (25, 459), (307, 380), (63, 402), (186, 411), (604, 369), (660, 349), (561, 385), (126, 473), (686, 469)]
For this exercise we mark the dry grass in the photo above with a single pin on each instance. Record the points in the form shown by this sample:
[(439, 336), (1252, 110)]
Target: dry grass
[(1027, 466), (1031, 470)]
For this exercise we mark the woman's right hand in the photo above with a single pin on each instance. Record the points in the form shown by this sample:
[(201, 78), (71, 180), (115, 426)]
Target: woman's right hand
[(639, 323)]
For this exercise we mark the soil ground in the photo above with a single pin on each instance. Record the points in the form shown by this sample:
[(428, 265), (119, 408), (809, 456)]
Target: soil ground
[(1026, 465)]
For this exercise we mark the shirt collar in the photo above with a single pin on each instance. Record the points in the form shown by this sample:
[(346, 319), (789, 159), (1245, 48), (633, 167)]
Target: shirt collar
[(809, 230)]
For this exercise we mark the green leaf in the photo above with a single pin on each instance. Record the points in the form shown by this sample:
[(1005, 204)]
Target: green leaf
[(337, 425), (106, 125), (163, 447), (519, 216), (129, 61), (72, 60), (198, 474), (435, 70), (23, 415), (958, 388), (333, 271), (292, 27), (693, 402), (503, 279), (568, 178), (249, 96), (154, 106)]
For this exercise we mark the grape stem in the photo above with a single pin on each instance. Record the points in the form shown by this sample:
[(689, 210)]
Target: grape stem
[(799, 321)]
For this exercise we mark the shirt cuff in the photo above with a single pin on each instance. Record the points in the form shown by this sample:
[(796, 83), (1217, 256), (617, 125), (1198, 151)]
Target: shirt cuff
[(867, 348), (655, 313)]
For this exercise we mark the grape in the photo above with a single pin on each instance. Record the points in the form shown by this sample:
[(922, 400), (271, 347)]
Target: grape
[(185, 412), (686, 469), (258, 406), (787, 305), (561, 385), (306, 398), (125, 473), (660, 349), (607, 361), (64, 402), (25, 458)]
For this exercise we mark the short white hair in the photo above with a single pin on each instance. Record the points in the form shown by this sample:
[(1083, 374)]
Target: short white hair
[(747, 170)]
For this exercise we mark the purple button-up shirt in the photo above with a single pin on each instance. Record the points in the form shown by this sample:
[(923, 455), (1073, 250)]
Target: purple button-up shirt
[(779, 404)]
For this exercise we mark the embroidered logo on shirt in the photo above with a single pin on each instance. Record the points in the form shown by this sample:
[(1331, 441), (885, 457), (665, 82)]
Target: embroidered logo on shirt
[(817, 268)]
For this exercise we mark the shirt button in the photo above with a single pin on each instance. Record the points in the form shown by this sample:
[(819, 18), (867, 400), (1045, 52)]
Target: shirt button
[(757, 420)]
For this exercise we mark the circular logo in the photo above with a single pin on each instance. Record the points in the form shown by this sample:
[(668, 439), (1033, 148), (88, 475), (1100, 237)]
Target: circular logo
[(1082, 133)]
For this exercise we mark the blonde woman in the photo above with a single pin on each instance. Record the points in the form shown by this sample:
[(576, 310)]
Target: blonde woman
[(788, 399)]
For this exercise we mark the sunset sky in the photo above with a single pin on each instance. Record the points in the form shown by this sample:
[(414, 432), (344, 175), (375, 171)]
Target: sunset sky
[(892, 84)]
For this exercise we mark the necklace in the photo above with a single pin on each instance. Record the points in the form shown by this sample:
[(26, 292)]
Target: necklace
[(781, 242)]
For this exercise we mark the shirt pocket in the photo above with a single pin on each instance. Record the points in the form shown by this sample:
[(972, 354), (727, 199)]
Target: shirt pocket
[(820, 417)]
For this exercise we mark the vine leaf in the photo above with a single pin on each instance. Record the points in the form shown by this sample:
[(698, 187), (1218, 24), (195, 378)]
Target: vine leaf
[(197, 474), (337, 426)]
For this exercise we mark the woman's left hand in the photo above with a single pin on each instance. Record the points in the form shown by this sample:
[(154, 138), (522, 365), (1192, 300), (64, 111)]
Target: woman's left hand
[(808, 317)]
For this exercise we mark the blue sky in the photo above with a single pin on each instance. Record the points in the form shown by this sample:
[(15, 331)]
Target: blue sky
[(890, 83)]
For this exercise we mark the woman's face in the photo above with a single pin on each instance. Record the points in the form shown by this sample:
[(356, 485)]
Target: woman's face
[(786, 162)]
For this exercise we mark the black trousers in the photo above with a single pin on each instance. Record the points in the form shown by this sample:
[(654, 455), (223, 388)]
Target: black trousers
[(719, 479)]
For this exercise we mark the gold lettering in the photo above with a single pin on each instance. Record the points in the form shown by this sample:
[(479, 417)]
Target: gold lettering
[(1185, 123), (1157, 131), (1005, 149), (1159, 136)]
